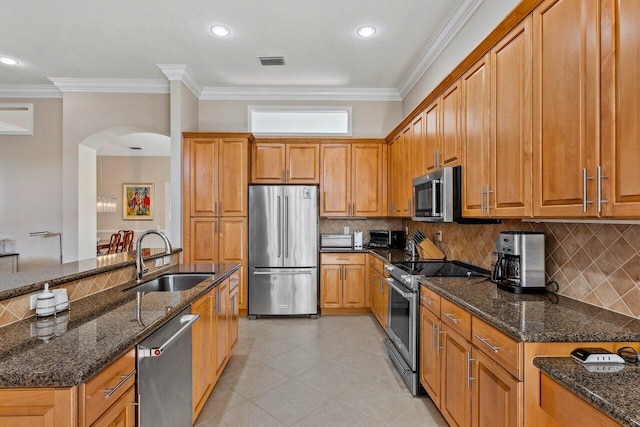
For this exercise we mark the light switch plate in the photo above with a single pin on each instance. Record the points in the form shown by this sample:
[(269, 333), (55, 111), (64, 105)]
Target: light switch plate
[(167, 259), (346, 230), (158, 262)]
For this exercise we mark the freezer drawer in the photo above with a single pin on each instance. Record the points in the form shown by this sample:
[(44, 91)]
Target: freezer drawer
[(283, 291)]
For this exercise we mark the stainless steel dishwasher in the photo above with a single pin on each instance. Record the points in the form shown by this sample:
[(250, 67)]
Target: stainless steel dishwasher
[(164, 374)]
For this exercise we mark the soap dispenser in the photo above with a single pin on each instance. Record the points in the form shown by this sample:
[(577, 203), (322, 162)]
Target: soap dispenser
[(46, 302)]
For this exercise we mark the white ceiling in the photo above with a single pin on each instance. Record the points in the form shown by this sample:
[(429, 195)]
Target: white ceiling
[(125, 39)]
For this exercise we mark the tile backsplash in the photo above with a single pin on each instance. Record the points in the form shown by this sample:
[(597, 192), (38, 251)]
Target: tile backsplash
[(336, 226), (595, 263)]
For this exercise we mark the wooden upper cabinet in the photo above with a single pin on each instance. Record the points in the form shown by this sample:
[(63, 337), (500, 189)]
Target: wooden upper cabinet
[(203, 175), (335, 182), (565, 107), (475, 127), (432, 139), (419, 146), (285, 163), (451, 126), (353, 179), (620, 130), (392, 177), (233, 176), (216, 174), (406, 186), (303, 164), (268, 163), (368, 179), (511, 109)]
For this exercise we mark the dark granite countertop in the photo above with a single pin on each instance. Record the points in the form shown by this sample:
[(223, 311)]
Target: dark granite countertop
[(617, 394), (24, 282), (97, 330), (536, 317)]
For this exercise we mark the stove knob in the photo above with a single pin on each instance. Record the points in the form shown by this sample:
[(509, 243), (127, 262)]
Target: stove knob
[(406, 278)]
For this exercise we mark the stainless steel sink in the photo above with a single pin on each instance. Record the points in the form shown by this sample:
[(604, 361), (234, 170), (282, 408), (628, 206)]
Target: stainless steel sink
[(171, 283)]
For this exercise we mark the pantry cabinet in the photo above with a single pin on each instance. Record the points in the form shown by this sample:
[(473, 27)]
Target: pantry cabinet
[(215, 200), (353, 179), (565, 107), (342, 281), (285, 163)]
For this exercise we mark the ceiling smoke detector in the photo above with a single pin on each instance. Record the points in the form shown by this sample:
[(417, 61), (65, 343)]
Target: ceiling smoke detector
[(271, 60)]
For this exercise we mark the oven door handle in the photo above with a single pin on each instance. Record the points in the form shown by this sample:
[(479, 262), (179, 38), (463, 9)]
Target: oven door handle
[(403, 294)]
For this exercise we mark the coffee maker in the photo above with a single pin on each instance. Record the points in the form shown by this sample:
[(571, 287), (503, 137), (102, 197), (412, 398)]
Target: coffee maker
[(519, 262)]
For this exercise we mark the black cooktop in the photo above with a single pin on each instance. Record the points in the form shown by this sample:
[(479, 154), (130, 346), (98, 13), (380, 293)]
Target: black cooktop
[(441, 269)]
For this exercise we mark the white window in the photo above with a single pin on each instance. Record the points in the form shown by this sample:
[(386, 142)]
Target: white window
[(16, 119), (299, 121)]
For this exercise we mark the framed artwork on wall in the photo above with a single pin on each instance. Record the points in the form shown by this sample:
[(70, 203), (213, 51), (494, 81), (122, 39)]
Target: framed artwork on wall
[(137, 201)]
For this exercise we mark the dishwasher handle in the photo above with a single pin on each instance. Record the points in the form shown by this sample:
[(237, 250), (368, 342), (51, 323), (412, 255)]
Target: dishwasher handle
[(187, 320)]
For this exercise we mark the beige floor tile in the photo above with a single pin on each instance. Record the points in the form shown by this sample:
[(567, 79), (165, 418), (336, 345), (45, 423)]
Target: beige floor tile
[(254, 380), (222, 399), (376, 400), (244, 415), (421, 412), (331, 379), (290, 401), (294, 362), (336, 414)]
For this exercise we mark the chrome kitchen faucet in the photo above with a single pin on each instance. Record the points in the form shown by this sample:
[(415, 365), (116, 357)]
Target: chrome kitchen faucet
[(140, 267)]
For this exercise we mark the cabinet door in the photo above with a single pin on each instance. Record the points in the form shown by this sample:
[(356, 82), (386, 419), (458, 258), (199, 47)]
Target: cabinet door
[(620, 108), (374, 292), (203, 351), (451, 142), (203, 176), (204, 240), (565, 106), (353, 291), (419, 149), (430, 369), (511, 155), (222, 326), (406, 185), (302, 164), (38, 407), (384, 301), (392, 177), (121, 413), (368, 180), (475, 126), (455, 402), (268, 163), (335, 181), (233, 176), (233, 248), (234, 284), (432, 136), (496, 395), (330, 286)]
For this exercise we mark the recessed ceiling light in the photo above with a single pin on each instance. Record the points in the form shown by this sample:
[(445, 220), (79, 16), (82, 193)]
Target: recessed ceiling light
[(8, 61), (220, 30), (366, 31)]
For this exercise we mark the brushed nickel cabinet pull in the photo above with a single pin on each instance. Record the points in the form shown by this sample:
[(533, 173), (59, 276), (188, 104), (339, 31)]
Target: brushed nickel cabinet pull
[(485, 341)]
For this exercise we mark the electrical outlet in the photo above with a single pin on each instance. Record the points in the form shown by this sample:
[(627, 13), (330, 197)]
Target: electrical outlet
[(346, 230), (32, 302), (167, 259), (406, 231), (158, 262), (439, 235)]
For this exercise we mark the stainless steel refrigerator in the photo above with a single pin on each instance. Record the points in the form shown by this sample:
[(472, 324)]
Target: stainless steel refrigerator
[(283, 250)]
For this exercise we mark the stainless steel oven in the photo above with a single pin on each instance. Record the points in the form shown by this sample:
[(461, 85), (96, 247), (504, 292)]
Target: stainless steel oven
[(402, 330)]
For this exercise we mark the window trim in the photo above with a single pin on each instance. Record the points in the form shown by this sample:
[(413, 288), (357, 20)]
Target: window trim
[(21, 106)]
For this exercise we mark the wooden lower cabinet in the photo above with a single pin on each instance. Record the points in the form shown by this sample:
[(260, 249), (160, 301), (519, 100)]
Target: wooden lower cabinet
[(430, 354), (46, 407), (496, 397), (234, 310), (121, 414), (342, 281), (455, 403), (379, 297), (221, 308)]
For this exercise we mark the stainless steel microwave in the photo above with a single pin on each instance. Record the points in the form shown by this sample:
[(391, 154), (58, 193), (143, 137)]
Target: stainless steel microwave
[(437, 197)]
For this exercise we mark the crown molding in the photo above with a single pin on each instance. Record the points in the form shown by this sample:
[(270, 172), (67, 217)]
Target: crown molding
[(444, 35), (181, 73), (70, 84), (29, 91), (300, 94)]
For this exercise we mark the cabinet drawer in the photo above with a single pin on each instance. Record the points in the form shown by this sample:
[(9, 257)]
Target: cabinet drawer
[(456, 317), (342, 259), (376, 263), (95, 398), (430, 300), (503, 349)]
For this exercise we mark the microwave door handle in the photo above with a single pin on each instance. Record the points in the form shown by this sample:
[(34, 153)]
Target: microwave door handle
[(434, 197)]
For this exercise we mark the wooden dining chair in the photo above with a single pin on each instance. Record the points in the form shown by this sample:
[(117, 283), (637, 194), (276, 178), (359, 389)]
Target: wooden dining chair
[(126, 240), (114, 243)]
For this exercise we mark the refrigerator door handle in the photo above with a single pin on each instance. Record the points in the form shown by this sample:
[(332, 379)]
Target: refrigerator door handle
[(281, 273), (279, 228), (286, 226)]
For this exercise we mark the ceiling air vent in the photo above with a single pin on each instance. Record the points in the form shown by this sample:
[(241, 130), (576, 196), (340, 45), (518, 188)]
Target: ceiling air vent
[(271, 60)]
